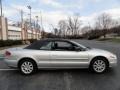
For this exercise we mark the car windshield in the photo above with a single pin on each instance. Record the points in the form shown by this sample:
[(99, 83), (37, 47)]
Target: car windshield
[(82, 46)]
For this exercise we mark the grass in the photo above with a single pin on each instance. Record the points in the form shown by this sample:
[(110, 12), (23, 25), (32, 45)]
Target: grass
[(116, 40)]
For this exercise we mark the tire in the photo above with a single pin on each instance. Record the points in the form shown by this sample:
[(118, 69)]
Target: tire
[(27, 67), (99, 65)]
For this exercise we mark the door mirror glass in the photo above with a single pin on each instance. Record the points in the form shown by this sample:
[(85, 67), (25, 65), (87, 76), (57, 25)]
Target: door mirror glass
[(77, 49)]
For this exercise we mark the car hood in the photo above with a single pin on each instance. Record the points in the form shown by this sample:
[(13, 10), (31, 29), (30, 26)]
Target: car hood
[(96, 51)]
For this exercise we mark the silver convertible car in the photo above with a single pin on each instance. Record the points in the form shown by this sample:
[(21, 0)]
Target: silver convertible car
[(58, 54)]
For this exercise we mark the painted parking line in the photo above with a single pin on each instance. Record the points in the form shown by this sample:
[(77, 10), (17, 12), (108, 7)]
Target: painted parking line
[(1, 56), (8, 69)]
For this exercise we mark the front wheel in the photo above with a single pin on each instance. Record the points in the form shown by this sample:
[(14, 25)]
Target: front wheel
[(27, 67), (99, 65)]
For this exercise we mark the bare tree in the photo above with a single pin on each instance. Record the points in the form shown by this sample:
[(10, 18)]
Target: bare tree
[(74, 24), (116, 27), (85, 29), (62, 28), (103, 22), (55, 30)]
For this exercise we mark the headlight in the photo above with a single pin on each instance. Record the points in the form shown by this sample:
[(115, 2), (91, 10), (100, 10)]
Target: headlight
[(112, 56)]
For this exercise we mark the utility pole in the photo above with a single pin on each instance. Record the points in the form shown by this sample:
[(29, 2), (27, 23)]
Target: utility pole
[(1, 6), (36, 29), (42, 29), (41, 20), (29, 7), (37, 22), (21, 17), (1, 18), (22, 25)]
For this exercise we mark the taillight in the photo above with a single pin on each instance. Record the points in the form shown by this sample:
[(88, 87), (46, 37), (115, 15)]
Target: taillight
[(7, 53)]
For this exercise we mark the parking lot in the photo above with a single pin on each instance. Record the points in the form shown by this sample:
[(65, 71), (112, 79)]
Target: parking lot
[(77, 79)]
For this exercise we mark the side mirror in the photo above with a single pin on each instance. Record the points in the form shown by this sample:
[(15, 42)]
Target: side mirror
[(78, 49), (89, 47)]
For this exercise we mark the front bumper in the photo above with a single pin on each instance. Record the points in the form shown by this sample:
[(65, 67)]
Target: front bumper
[(113, 63)]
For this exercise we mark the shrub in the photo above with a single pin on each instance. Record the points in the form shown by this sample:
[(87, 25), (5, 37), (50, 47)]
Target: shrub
[(4, 43), (93, 37), (10, 42), (32, 40)]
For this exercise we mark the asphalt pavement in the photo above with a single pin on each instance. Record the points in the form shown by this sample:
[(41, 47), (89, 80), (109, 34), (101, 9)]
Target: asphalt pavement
[(74, 79)]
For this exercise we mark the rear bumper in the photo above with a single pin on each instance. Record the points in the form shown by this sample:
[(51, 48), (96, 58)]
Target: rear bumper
[(11, 63)]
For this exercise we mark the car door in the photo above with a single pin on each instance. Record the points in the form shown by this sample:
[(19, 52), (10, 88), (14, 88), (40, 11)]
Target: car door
[(63, 56), (43, 55)]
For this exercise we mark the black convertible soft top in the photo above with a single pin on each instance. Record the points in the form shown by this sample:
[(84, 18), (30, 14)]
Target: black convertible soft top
[(36, 45)]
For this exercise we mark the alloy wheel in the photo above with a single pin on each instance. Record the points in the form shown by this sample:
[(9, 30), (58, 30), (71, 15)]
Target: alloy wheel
[(99, 66), (27, 67)]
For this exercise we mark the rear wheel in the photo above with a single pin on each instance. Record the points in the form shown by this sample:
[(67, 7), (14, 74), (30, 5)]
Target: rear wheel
[(99, 65), (27, 67)]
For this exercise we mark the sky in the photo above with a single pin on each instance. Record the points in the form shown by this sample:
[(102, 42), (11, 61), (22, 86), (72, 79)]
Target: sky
[(54, 10)]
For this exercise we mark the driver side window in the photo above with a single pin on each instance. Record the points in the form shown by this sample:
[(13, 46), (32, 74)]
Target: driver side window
[(47, 46), (62, 46)]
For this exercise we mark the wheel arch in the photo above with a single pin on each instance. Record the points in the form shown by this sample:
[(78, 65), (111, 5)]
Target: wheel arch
[(22, 59), (94, 58)]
